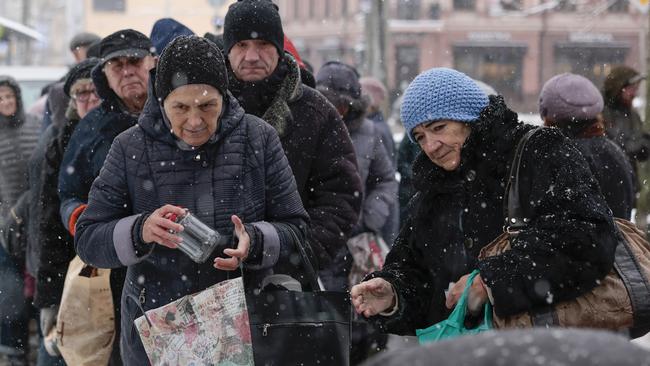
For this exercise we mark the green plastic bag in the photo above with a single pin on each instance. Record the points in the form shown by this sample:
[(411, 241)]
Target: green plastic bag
[(454, 326)]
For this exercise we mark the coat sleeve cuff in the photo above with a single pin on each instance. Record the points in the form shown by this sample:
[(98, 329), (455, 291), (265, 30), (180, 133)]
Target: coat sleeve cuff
[(270, 246), (66, 210), (123, 241), (391, 312)]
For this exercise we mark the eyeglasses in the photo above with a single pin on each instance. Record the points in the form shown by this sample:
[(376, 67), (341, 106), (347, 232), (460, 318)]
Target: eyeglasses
[(84, 95)]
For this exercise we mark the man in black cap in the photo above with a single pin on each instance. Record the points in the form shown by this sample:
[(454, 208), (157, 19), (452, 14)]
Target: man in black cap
[(266, 81), (121, 79)]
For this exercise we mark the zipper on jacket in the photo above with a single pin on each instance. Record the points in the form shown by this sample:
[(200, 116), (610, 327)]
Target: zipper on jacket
[(266, 326), (142, 297)]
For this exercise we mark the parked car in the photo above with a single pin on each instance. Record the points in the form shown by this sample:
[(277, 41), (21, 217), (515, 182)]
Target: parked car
[(32, 79)]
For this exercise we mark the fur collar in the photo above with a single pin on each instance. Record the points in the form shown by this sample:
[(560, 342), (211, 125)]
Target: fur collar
[(279, 114)]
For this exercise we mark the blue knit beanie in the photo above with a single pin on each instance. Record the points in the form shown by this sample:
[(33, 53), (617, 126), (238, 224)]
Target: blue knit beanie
[(441, 94)]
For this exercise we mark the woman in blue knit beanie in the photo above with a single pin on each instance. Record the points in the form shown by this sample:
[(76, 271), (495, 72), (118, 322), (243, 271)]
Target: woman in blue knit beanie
[(468, 141)]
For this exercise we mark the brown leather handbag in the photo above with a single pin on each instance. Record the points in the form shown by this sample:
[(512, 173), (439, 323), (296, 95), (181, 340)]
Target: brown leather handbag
[(620, 302)]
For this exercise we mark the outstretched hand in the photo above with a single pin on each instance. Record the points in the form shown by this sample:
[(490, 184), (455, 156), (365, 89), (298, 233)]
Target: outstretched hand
[(372, 297), (238, 254)]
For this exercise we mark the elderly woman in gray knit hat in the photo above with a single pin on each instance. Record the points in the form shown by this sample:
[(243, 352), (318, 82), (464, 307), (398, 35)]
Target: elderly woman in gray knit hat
[(573, 104), (193, 149), (468, 141)]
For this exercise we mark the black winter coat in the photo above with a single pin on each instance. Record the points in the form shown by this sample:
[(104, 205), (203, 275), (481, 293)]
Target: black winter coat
[(89, 145), (568, 246), (243, 172), (55, 247), (613, 171), (322, 159)]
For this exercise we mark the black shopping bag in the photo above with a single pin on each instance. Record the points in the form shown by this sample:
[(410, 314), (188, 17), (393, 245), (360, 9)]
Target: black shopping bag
[(300, 328)]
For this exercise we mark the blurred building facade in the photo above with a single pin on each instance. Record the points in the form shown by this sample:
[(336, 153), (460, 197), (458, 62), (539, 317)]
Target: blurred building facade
[(106, 16), (53, 23), (513, 45)]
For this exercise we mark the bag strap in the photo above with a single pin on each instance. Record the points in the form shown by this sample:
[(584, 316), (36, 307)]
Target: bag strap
[(629, 269), (311, 272), (139, 304), (516, 221), (514, 212)]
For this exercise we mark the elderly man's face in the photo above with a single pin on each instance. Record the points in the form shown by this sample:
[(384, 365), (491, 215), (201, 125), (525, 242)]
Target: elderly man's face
[(128, 77), (253, 59), (8, 103)]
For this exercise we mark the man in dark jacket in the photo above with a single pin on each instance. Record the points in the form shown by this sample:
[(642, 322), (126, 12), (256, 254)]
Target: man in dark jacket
[(121, 80), (267, 83), (623, 124)]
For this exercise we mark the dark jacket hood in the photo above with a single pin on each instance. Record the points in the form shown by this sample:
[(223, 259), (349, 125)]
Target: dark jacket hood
[(488, 149), (19, 117), (151, 119)]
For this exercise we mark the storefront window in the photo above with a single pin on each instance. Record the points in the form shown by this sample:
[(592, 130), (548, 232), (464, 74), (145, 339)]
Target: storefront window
[(619, 6), (591, 61), (464, 4), (499, 67), (408, 9), (407, 65)]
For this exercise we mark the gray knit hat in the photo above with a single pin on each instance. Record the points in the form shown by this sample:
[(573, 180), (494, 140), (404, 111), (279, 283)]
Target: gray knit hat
[(570, 96)]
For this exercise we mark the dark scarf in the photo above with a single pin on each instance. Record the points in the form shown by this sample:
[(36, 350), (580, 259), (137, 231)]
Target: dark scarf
[(256, 97)]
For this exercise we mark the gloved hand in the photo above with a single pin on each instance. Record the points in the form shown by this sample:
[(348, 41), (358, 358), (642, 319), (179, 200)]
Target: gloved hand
[(48, 319)]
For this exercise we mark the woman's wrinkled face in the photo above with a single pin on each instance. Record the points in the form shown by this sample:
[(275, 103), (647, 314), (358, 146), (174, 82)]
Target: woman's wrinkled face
[(8, 102), (442, 141), (193, 111)]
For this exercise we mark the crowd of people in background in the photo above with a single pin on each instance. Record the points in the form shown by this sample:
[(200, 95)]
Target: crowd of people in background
[(241, 131)]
